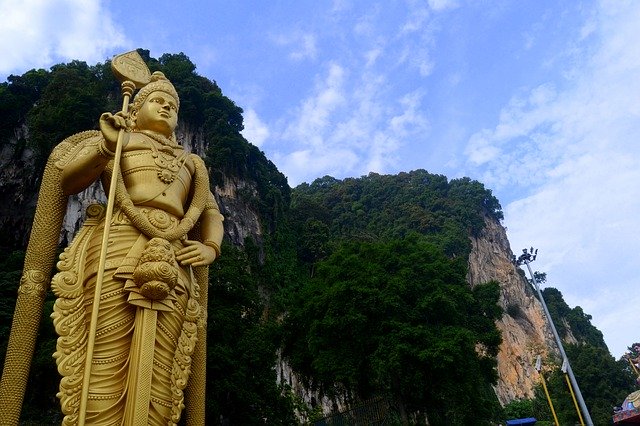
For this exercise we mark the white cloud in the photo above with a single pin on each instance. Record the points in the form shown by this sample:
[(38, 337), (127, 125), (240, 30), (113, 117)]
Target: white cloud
[(348, 127), (314, 115), (416, 19), (299, 166), (255, 130), (35, 33), (572, 152), (584, 225), (302, 44), (416, 39), (439, 5), (372, 55), (480, 150), (367, 24), (362, 110)]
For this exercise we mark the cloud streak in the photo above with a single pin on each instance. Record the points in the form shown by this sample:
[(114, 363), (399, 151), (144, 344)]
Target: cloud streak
[(345, 127), (358, 116), (572, 152)]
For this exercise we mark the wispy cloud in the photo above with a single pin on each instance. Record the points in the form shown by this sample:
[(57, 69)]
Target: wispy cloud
[(347, 127), (358, 117), (315, 113), (36, 33), (301, 44), (439, 5), (415, 37), (572, 152)]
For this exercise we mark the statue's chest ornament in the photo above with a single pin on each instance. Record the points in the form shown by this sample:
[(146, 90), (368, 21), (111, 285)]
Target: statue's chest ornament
[(163, 153)]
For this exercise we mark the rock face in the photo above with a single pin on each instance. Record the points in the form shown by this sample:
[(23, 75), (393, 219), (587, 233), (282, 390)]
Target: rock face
[(240, 220), (312, 398), (525, 330), (18, 190)]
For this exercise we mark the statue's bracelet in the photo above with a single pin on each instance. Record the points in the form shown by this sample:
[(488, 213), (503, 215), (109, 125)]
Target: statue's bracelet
[(104, 151), (215, 246)]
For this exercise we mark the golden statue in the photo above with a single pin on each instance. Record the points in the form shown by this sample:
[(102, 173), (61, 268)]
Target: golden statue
[(132, 286)]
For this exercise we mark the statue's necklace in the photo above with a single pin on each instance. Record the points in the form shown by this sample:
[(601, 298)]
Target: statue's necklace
[(164, 156), (139, 219)]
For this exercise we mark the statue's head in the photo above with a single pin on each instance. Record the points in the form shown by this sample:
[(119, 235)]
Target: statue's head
[(155, 106), (158, 83)]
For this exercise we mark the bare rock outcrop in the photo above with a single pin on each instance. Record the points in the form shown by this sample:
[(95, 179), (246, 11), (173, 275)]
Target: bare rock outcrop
[(525, 330)]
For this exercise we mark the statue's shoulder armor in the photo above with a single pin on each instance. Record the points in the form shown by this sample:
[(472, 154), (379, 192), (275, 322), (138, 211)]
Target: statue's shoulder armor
[(69, 147)]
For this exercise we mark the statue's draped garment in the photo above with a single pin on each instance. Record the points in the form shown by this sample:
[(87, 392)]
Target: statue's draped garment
[(142, 243)]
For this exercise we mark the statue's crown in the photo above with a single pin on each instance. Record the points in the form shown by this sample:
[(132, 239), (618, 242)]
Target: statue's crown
[(158, 83)]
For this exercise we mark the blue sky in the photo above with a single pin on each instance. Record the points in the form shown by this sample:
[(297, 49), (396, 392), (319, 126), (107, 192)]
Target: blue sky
[(536, 99)]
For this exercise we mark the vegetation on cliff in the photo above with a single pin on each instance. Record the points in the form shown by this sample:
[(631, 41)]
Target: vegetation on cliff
[(358, 283)]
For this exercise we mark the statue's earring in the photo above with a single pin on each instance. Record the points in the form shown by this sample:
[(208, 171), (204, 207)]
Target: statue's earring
[(131, 120)]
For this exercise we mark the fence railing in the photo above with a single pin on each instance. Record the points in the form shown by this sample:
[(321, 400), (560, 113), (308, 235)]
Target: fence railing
[(375, 411)]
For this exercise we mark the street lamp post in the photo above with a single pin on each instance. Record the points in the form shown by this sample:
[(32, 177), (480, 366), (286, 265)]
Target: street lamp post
[(525, 258)]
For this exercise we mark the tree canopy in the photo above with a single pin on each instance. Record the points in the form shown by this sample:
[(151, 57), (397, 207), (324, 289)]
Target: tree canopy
[(398, 318)]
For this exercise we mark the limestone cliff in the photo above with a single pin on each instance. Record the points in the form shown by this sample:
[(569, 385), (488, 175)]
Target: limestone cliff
[(19, 182), (525, 330)]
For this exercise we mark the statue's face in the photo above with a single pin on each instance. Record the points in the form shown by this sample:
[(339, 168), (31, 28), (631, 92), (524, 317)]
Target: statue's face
[(158, 113)]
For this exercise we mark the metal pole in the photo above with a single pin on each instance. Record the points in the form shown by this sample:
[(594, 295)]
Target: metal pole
[(573, 396), (546, 392), (583, 406)]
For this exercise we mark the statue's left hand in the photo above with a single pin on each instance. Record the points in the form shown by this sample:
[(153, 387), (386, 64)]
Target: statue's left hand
[(195, 253)]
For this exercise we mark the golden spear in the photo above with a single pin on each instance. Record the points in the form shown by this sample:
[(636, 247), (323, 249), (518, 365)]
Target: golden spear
[(132, 71)]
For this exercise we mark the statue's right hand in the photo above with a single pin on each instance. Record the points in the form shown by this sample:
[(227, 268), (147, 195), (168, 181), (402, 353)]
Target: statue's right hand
[(110, 126)]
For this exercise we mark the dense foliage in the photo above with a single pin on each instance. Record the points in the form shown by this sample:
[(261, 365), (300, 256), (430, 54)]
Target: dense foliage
[(573, 319), (385, 307), (360, 282), (241, 382), (603, 382), (398, 318), (379, 207)]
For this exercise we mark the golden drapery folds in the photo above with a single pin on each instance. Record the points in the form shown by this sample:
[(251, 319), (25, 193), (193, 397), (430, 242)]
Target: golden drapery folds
[(115, 353)]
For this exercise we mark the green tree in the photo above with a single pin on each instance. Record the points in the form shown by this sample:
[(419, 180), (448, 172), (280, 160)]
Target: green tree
[(17, 97), (519, 409), (579, 323), (242, 346), (71, 102), (398, 318), (604, 383)]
